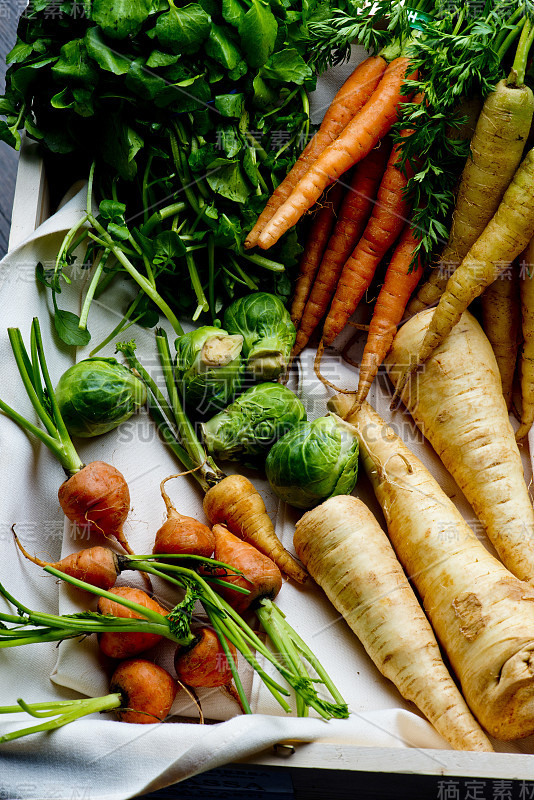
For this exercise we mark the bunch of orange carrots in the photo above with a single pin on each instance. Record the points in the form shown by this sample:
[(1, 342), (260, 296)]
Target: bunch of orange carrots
[(351, 170)]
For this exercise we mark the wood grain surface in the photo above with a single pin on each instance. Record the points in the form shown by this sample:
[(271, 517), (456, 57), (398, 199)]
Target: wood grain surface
[(8, 156)]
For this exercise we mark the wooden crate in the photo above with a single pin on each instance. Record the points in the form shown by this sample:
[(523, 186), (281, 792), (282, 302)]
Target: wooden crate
[(383, 771)]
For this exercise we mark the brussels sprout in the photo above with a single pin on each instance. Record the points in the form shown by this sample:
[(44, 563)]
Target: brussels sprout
[(209, 367), (257, 419), (313, 461), (267, 330), (96, 395)]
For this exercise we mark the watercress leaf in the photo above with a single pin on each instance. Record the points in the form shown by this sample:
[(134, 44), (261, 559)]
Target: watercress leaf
[(258, 33), (142, 81), (63, 99), (233, 12), (6, 107), (83, 101), (238, 71), (23, 76), (32, 128), (8, 135), (187, 95), (182, 30), (74, 63), (107, 58), (200, 159), (112, 210), (120, 145), (119, 232), (67, 327), (221, 48), (20, 52), (168, 246), (264, 96), (286, 66), (120, 18), (42, 275), (226, 178), (211, 7), (159, 59), (230, 105), (228, 139)]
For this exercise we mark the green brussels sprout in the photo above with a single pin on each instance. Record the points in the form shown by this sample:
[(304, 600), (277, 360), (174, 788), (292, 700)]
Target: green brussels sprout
[(253, 422), (268, 333), (96, 395), (313, 461), (209, 368)]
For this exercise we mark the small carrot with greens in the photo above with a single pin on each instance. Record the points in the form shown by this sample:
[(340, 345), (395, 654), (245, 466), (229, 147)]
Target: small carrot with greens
[(353, 215), (28, 627), (140, 692), (99, 566), (399, 284), (126, 645), (231, 500), (255, 571), (94, 496), (526, 288), (182, 534), (496, 150), (363, 133), (382, 231), (208, 663), (501, 322), (317, 240), (348, 101), (503, 239)]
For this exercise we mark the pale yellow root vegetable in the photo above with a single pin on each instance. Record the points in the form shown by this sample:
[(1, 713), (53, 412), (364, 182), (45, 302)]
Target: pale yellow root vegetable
[(505, 236), (500, 320), (526, 288), (457, 402), (482, 615), (495, 153), (236, 503), (349, 555)]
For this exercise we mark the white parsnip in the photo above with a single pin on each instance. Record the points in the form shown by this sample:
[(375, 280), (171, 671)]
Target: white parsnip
[(482, 615), (457, 402), (349, 555)]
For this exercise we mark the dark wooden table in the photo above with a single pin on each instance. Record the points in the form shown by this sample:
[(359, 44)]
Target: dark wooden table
[(8, 156)]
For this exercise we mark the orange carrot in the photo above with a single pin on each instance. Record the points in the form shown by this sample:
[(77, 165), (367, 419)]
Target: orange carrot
[(348, 101), (98, 566), (359, 137), (397, 289), (204, 663), (147, 691), (125, 645), (260, 575), (353, 215), (381, 232), (314, 248), (182, 534)]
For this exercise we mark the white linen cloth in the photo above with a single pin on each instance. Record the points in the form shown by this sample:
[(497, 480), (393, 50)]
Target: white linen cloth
[(106, 759)]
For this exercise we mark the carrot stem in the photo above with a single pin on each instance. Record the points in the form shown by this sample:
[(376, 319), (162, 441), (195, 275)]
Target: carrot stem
[(74, 709)]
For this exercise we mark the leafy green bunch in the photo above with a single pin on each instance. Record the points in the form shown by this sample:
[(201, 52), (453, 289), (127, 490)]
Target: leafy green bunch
[(192, 114)]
